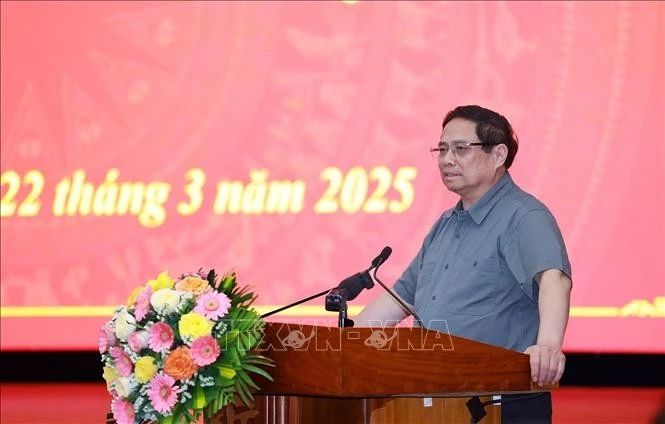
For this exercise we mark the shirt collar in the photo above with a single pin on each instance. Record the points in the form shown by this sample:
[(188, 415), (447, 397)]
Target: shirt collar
[(482, 207)]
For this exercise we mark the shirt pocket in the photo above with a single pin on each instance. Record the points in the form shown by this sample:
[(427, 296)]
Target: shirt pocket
[(473, 289)]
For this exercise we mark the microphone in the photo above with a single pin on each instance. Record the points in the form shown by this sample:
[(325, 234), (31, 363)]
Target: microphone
[(348, 289), (351, 287), (379, 260)]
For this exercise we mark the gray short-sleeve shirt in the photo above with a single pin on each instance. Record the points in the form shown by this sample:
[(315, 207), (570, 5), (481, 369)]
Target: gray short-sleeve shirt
[(474, 275)]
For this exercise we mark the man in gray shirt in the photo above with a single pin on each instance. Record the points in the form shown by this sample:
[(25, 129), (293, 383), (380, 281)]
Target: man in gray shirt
[(494, 268)]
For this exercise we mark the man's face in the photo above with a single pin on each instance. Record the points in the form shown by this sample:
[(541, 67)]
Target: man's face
[(466, 170)]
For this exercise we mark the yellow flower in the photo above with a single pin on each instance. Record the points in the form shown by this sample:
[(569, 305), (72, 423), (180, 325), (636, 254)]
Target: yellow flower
[(111, 375), (194, 325), (131, 301), (145, 369), (163, 281)]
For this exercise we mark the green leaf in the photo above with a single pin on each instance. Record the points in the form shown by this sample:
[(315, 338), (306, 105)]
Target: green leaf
[(231, 335), (222, 382), (228, 282), (189, 403), (247, 340), (176, 412), (199, 397), (252, 340), (226, 372), (243, 375), (258, 371), (189, 417), (232, 355), (243, 392), (258, 360), (211, 277), (225, 397)]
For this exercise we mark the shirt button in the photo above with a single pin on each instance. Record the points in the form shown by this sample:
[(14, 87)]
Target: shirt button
[(445, 267), (433, 297), (456, 236)]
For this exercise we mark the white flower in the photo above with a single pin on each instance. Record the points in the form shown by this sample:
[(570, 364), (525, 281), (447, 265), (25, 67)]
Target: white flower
[(124, 386), (165, 301), (185, 297), (125, 324)]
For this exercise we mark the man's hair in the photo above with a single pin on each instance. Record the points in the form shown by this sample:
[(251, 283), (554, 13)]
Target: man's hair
[(491, 128)]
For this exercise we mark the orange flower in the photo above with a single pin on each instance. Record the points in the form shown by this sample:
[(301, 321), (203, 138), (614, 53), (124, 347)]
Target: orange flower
[(195, 285), (179, 364)]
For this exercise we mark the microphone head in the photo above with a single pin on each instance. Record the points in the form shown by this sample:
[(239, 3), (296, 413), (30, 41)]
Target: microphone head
[(385, 253)]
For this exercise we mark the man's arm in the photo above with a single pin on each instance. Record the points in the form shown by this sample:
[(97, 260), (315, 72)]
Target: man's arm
[(547, 360), (384, 309)]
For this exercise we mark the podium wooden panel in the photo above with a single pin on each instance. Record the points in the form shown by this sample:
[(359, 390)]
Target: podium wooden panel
[(377, 375)]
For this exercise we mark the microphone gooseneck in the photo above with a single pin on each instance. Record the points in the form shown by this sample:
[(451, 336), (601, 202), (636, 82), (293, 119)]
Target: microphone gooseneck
[(397, 298)]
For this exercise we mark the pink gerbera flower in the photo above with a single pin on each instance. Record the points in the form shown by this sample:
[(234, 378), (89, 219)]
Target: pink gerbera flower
[(204, 351), (143, 304), (123, 411), (161, 337), (213, 305), (162, 393), (106, 337), (123, 362), (103, 339)]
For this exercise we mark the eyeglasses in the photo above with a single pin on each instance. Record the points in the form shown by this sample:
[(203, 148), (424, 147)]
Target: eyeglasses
[(459, 149)]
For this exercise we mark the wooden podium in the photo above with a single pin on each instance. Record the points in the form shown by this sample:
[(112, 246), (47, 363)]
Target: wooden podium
[(377, 375)]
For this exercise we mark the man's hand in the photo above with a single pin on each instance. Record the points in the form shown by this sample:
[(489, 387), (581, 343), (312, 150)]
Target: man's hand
[(547, 364)]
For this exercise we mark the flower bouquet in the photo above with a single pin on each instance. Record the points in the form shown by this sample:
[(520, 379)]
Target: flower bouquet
[(181, 349)]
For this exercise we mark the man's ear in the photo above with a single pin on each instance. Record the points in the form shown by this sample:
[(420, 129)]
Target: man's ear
[(500, 153)]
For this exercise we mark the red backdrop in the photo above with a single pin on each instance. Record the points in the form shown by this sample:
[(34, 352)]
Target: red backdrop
[(289, 141)]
